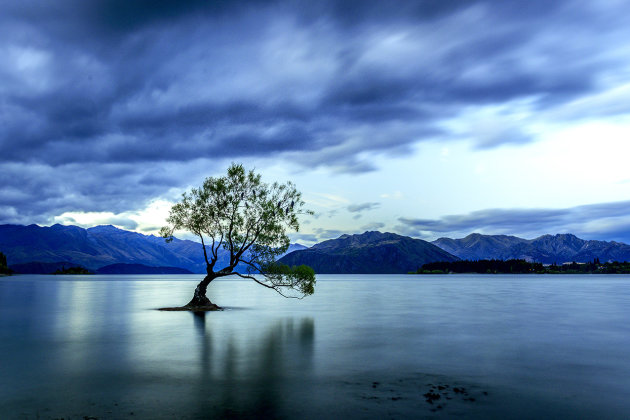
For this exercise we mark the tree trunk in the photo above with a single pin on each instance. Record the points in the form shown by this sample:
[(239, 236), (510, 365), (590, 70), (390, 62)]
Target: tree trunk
[(200, 298)]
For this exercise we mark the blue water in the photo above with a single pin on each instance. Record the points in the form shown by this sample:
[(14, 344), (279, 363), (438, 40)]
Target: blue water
[(361, 347)]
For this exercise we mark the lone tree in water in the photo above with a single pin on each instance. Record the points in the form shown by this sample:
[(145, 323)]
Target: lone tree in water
[(248, 219)]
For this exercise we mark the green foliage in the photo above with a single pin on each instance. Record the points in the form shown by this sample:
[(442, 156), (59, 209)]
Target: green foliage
[(523, 267), (300, 278), (73, 270), (614, 268), (482, 267), (4, 269), (249, 219)]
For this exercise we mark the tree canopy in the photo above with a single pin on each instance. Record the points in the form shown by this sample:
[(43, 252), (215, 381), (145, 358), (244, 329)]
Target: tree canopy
[(248, 219)]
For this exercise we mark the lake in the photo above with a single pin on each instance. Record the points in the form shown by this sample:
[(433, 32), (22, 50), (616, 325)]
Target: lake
[(376, 346)]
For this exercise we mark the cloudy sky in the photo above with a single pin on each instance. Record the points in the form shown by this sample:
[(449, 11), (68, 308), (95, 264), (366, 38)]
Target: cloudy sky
[(426, 118)]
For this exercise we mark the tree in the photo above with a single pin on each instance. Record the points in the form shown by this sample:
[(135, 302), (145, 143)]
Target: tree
[(3, 265), (248, 219)]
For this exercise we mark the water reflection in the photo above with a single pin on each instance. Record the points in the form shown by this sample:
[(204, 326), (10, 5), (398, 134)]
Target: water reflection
[(97, 348), (252, 378), (93, 349)]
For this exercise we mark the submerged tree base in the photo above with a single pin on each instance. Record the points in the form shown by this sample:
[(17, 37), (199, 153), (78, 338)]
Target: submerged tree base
[(199, 302), (194, 308)]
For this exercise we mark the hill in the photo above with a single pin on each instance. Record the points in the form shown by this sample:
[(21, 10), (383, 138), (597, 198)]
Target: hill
[(546, 249), (368, 253)]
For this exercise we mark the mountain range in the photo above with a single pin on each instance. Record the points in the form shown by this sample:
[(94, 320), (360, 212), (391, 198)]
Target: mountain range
[(96, 247), (546, 249), (375, 252), (36, 249)]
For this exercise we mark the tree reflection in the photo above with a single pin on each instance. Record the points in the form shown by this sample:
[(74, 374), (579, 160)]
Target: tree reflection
[(247, 374)]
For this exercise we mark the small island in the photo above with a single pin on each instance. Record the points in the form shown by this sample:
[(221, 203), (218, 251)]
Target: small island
[(73, 270), (516, 266)]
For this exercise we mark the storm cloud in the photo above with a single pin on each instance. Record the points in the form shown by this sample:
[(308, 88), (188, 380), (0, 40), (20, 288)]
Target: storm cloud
[(101, 99)]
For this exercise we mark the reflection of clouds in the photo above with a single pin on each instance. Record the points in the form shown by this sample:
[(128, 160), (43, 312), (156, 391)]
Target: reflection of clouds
[(88, 306), (90, 350), (74, 322), (97, 347), (251, 376)]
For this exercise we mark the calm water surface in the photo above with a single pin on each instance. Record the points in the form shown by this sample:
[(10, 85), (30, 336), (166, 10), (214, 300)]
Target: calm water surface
[(361, 347)]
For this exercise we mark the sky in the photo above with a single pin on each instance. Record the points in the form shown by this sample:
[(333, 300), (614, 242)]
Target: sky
[(434, 118)]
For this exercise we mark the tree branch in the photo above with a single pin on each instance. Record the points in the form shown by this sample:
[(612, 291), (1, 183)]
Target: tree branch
[(216, 251), (223, 273), (268, 286), (245, 248), (253, 266), (205, 254)]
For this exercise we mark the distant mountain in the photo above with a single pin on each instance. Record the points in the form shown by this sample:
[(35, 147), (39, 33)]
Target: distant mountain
[(93, 248), (295, 247), (368, 253), (140, 269), (547, 249), (98, 247), (35, 249), (478, 247)]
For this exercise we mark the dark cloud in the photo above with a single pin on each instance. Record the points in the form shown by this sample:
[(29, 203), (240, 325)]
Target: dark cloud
[(304, 238), (609, 221), (150, 229), (121, 222), (318, 235), (137, 86), (373, 226), (125, 16), (332, 213), (34, 193), (360, 207)]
